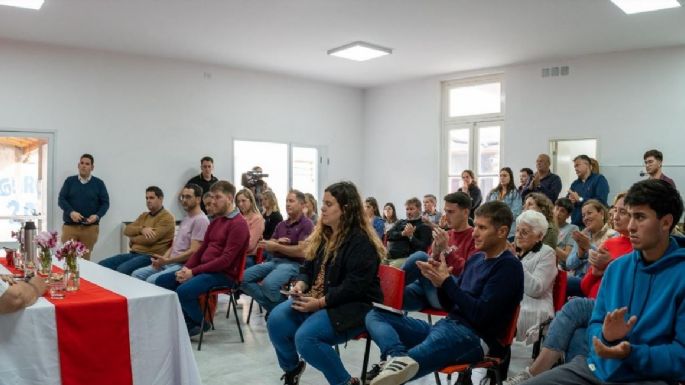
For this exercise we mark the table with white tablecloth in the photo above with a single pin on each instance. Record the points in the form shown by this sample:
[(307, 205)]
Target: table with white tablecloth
[(159, 348)]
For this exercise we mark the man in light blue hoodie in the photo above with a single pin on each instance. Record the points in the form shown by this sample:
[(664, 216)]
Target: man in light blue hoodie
[(637, 330)]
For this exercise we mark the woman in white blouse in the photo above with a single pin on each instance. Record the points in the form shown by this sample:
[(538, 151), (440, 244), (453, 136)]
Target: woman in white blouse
[(539, 269)]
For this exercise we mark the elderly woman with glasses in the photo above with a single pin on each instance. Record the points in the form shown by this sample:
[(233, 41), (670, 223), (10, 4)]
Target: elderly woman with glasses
[(539, 269)]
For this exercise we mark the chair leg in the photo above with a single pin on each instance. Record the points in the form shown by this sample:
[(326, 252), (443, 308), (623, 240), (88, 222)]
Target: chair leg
[(228, 310), (235, 313), (249, 312), (430, 319), (437, 376), (337, 348), (205, 310), (260, 309), (365, 363)]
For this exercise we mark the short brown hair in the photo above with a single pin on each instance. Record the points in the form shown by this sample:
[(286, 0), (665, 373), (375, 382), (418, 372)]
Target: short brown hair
[(414, 202), (223, 186), (655, 153)]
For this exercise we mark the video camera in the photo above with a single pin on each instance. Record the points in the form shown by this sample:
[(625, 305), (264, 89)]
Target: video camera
[(253, 178)]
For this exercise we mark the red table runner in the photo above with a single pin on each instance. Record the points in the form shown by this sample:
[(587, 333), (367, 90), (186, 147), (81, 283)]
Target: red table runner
[(92, 335)]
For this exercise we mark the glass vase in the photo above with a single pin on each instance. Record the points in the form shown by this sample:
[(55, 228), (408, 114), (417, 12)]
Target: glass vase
[(72, 274), (44, 263)]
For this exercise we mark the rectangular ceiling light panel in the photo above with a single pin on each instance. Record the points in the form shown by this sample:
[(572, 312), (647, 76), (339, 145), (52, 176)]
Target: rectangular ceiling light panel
[(637, 6), (360, 51), (30, 4)]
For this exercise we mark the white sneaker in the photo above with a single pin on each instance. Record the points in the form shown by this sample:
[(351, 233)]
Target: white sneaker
[(519, 378), (396, 371)]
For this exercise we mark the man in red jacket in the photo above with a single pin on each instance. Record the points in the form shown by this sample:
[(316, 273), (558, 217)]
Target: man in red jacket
[(217, 262)]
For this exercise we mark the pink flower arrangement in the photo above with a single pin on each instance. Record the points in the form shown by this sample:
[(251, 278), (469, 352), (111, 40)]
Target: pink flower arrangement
[(46, 240), (71, 250)]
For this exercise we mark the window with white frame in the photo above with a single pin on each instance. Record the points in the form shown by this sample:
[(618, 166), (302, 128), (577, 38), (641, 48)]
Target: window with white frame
[(473, 113), (289, 166)]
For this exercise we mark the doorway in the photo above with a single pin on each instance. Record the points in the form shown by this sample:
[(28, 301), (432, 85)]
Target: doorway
[(562, 153)]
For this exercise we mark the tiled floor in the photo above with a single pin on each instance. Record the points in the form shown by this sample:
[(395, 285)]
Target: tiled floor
[(224, 360)]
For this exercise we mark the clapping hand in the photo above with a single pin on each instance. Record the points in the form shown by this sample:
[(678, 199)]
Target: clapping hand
[(408, 230), (435, 271), (439, 240), (582, 240), (615, 328), (599, 259)]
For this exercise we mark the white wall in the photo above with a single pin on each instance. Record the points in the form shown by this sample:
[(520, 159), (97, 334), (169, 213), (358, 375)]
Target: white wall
[(629, 101), (149, 121)]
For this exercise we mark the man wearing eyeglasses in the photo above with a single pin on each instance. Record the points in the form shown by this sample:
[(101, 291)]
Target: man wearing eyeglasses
[(188, 240)]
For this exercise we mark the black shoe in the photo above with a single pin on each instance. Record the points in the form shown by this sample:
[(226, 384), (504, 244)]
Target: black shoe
[(293, 378), (195, 330), (374, 371), (353, 381)]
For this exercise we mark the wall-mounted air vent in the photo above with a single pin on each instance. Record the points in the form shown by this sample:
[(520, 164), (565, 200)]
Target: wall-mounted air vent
[(555, 71)]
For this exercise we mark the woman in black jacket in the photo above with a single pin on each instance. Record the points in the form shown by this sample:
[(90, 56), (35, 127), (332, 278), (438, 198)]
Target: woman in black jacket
[(334, 291)]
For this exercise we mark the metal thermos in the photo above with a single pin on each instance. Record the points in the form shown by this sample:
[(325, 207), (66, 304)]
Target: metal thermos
[(30, 253)]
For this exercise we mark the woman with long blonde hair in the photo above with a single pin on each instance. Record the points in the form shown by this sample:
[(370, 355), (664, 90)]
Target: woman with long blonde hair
[(247, 205), (334, 291)]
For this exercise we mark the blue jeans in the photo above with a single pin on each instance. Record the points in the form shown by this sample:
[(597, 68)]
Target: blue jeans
[(419, 292), (273, 275), (126, 263), (189, 291), (312, 336), (433, 347), (567, 333), (150, 274)]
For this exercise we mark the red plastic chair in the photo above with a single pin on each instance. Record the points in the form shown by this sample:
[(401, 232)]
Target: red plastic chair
[(213, 293), (259, 256), (493, 365), (559, 290), (392, 286)]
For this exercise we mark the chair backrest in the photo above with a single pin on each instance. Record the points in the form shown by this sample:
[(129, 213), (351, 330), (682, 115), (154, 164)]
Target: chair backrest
[(508, 338), (241, 272), (559, 290), (392, 285), (259, 255)]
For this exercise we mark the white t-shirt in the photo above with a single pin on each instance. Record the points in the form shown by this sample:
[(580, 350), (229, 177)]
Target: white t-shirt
[(3, 287)]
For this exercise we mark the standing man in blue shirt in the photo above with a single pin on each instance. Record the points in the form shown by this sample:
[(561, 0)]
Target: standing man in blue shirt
[(588, 186), (85, 201)]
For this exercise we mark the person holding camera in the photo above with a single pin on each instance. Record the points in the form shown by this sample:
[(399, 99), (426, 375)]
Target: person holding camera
[(254, 180)]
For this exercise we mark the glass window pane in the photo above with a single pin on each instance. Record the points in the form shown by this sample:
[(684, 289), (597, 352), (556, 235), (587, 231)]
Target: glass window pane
[(271, 157), (23, 179), (486, 184), (458, 151), (488, 150), (305, 169), (475, 100), (453, 184)]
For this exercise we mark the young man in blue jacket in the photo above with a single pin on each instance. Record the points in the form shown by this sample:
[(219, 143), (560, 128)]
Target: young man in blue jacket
[(637, 329)]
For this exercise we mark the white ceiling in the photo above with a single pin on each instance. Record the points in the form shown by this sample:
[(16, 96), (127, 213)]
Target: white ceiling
[(429, 37)]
